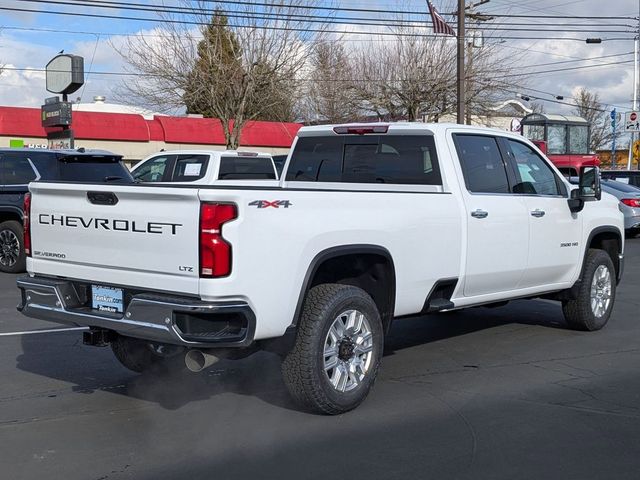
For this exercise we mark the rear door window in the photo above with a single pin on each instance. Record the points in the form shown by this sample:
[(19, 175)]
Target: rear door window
[(246, 168), (482, 164), (190, 168), (389, 159)]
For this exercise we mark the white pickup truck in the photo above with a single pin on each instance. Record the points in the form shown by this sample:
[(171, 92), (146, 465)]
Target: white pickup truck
[(369, 223), (205, 167)]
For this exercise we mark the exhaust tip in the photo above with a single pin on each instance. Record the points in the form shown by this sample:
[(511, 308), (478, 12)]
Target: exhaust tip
[(197, 360)]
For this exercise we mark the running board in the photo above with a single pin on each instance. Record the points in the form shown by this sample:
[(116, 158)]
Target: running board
[(439, 304)]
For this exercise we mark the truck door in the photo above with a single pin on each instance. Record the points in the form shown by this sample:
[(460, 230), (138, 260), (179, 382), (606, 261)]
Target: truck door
[(554, 232), (497, 220)]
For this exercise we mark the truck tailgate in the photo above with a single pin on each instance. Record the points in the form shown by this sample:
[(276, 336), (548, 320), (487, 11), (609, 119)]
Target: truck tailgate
[(134, 235)]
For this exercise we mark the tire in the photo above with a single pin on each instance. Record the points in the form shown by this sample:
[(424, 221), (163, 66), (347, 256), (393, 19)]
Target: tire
[(12, 256), (632, 232), (307, 372), (587, 313), (140, 356)]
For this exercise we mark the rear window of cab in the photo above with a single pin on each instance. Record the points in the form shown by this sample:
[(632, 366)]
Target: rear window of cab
[(387, 159)]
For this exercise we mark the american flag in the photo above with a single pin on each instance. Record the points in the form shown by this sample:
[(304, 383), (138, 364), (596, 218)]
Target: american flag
[(439, 23)]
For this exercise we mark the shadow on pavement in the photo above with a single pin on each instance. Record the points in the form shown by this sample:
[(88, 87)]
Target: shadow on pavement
[(89, 369)]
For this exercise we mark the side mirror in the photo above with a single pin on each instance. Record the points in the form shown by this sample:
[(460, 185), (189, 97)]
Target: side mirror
[(589, 189), (576, 204), (589, 184)]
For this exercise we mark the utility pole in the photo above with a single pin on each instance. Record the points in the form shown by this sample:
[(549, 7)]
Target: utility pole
[(462, 96), (462, 80), (635, 86)]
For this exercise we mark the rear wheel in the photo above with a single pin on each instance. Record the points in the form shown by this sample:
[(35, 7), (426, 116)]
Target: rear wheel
[(12, 256), (337, 352), (592, 307), (142, 356)]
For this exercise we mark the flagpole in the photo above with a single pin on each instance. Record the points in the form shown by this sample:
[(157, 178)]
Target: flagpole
[(461, 51)]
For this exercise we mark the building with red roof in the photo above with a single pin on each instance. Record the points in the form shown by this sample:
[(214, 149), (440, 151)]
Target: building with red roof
[(136, 133)]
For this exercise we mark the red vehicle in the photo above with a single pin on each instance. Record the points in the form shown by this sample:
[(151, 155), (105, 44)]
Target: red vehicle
[(564, 139)]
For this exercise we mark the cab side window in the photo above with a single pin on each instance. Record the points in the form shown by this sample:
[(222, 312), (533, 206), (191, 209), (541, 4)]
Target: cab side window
[(533, 175), (153, 169), (482, 164), (190, 168)]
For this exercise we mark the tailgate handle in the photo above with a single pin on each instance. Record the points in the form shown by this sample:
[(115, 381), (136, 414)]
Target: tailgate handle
[(102, 198)]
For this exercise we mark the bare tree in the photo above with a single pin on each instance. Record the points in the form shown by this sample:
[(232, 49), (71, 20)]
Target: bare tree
[(589, 107), (330, 96), (413, 75), (236, 71), (537, 107)]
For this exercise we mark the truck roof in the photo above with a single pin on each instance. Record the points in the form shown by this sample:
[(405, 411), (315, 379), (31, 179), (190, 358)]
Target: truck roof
[(228, 153), (391, 127), (63, 152)]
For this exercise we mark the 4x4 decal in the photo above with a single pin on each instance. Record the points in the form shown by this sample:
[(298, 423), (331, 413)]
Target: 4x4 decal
[(271, 203)]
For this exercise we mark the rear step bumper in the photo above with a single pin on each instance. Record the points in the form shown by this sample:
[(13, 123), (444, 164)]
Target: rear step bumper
[(151, 316)]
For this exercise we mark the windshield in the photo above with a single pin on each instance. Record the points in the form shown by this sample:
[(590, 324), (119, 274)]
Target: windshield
[(534, 132), (622, 187), (579, 139), (557, 141)]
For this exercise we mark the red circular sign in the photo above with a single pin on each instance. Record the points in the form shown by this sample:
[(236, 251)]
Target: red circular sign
[(633, 116)]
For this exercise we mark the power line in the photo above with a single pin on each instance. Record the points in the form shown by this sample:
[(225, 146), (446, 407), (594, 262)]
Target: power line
[(277, 28), (571, 68), (423, 12), (290, 17), (153, 75)]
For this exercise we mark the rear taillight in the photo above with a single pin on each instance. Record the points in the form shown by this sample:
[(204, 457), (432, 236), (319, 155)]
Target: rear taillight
[(215, 252), (26, 223), (631, 202)]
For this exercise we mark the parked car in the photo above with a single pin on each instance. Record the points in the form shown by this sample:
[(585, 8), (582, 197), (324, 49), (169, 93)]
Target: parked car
[(629, 198), (632, 177), (18, 167), (202, 167), (368, 223)]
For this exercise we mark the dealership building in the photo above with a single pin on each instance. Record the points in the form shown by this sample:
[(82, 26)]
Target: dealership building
[(136, 133)]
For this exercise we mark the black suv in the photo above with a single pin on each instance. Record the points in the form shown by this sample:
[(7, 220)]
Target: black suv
[(20, 167)]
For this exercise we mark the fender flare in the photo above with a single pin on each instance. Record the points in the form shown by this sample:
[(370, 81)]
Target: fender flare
[(12, 210), (340, 251), (597, 231)]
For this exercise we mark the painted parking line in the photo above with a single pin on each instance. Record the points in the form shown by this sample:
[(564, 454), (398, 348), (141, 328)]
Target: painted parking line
[(51, 330)]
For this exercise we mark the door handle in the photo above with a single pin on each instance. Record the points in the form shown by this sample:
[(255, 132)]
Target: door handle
[(537, 213), (479, 214)]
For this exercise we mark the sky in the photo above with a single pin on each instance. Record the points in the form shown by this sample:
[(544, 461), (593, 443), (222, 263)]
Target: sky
[(28, 40)]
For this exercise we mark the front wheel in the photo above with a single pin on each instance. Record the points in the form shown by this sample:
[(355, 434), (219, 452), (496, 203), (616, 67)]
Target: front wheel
[(337, 352), (592, 307)]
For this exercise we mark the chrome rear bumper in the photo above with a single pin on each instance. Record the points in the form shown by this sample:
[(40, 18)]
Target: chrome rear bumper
[(151, 316)]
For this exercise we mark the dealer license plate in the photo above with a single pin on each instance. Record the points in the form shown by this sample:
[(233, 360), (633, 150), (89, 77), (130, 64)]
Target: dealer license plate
[(106, 299)]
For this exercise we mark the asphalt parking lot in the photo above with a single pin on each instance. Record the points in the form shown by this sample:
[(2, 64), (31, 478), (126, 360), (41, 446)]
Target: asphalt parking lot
[(504, 393)]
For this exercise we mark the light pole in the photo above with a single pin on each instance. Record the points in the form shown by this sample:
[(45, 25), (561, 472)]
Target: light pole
[(635, 88)]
